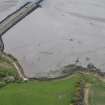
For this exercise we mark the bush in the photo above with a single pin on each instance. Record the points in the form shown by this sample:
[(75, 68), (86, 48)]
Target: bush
[(2, 84)]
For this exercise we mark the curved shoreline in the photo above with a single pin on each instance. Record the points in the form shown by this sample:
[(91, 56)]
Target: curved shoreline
[(62, 73), (69, 70)]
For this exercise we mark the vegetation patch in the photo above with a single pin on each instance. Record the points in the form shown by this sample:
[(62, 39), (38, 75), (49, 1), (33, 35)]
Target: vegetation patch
[(7, 70), (64, 91), (58, 92), (97, 92)]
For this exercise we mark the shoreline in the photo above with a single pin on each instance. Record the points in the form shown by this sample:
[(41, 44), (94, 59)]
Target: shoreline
[(62, 73), (67, 71)]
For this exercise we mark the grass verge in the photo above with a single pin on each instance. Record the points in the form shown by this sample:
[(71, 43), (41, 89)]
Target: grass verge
[(57, 92)]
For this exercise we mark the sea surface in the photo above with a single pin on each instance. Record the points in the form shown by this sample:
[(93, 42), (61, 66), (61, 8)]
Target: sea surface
[(60, 33)]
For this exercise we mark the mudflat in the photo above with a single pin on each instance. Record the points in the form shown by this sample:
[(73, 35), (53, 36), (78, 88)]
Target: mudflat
[(60, 33)]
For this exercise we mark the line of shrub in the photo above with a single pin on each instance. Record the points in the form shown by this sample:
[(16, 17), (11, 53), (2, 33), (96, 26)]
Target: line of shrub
[(78, 98)]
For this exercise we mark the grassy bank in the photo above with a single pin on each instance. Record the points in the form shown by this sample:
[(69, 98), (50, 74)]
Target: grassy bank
[(6, 68), (55, 92), (97, 92), (58, 92)]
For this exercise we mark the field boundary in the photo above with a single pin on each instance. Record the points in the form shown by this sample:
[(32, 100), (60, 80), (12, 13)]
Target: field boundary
[(14, 62)]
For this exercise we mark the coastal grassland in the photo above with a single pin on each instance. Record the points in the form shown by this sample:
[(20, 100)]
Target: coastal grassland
[(53, 92), (56, 92), (6, 68), (97, 92)]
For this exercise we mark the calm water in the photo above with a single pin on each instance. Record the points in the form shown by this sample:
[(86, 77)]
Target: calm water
[(58, 34)]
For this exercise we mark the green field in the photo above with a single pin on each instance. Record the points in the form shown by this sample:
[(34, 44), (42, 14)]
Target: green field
[(97, 93), (58, 92), (55, 92), (6, 68)]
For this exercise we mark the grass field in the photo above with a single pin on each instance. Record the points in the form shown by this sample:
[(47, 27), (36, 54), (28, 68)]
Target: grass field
[(58, 92), (6, 69), (97, 93)]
